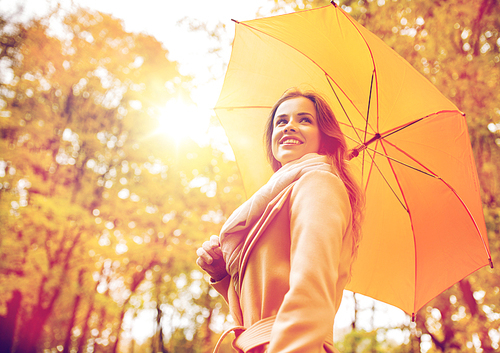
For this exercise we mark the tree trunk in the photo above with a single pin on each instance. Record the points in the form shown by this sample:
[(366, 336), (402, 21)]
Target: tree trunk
[(449, 341), (31, 332), (353, 324), (32, 329), (157, 339), (67, 341), (120, 322), (82, 341), (85, 330), (8, 323), (207, 332), (415, 344), (468, 295), (100, 327), (137, 278)]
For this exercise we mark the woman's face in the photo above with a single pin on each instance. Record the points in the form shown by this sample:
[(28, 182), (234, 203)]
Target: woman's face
[(295, 130)]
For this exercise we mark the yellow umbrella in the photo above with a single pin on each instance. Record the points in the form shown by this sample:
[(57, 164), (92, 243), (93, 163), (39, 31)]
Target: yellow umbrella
[(424, 228)]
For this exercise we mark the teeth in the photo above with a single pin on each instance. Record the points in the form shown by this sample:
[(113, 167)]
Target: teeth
[(291, 141)]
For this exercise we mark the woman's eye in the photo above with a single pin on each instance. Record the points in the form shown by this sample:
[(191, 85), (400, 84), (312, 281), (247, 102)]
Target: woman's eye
[(281, 121), (306, 120)]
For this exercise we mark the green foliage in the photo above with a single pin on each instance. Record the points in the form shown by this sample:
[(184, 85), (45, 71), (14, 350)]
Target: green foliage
[(359, 342)]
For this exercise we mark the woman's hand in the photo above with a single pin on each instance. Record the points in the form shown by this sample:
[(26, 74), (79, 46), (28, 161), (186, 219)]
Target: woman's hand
[(210, 259)]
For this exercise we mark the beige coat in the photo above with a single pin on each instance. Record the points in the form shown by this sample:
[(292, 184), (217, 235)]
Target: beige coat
[(296, 264)]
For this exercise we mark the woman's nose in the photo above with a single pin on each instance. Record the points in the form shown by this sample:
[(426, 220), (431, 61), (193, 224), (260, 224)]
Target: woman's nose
[(290, 127)]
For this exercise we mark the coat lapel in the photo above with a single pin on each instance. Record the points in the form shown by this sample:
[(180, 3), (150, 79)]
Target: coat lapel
[(258, 229)]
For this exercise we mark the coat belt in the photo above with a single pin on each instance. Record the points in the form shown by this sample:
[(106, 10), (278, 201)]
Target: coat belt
[(257, 334)]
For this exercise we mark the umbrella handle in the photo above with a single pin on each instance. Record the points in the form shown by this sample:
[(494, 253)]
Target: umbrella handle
[(355, 151)]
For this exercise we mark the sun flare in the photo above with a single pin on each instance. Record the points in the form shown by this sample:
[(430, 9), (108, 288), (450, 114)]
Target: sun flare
[(179, 120)]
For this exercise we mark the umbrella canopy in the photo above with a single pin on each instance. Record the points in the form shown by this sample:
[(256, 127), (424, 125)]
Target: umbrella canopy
[(424, 228)]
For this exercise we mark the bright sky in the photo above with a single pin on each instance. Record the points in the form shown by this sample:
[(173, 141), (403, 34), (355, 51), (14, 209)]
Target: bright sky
[(168, 21), (161, 18)]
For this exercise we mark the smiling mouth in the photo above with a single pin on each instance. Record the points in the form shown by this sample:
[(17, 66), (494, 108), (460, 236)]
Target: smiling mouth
[(290, 141)]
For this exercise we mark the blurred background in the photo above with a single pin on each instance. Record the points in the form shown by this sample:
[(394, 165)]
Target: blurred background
[(114, 169)]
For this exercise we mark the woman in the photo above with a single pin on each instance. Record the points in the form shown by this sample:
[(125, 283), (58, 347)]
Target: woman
[(284, 256)]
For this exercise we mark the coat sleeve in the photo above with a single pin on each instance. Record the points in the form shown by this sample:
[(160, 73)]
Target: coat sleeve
[(319, 218), (222, 286), (226, 289)]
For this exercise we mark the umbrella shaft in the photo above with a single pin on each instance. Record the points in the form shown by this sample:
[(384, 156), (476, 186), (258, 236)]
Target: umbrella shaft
[(355, 151)]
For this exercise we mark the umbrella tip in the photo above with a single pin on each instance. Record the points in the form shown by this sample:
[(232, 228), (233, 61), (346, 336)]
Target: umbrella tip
[(491, 262), (413, 317), (333, 3), (232, 19)]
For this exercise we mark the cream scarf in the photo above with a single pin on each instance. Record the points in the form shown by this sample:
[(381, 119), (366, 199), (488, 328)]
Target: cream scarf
[(241, 221)]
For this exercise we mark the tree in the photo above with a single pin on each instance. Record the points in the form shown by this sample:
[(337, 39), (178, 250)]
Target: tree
[(102, 214), (77, 117)]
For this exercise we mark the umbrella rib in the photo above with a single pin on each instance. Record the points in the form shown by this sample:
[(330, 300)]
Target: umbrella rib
[(355, 128), (386, 181), (401, 127), (328, 78), (366, 124), (314, 62), (413, 232), (450, 188), (337, 16), (402, 204), (376, 166), (431, 174), (355, 151), (472, 219), (403, 163), (369, 103), (371, 55)]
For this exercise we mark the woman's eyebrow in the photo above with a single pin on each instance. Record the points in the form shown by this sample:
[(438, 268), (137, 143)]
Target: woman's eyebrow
[(305, 113), (276, 117), (281, 116)]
